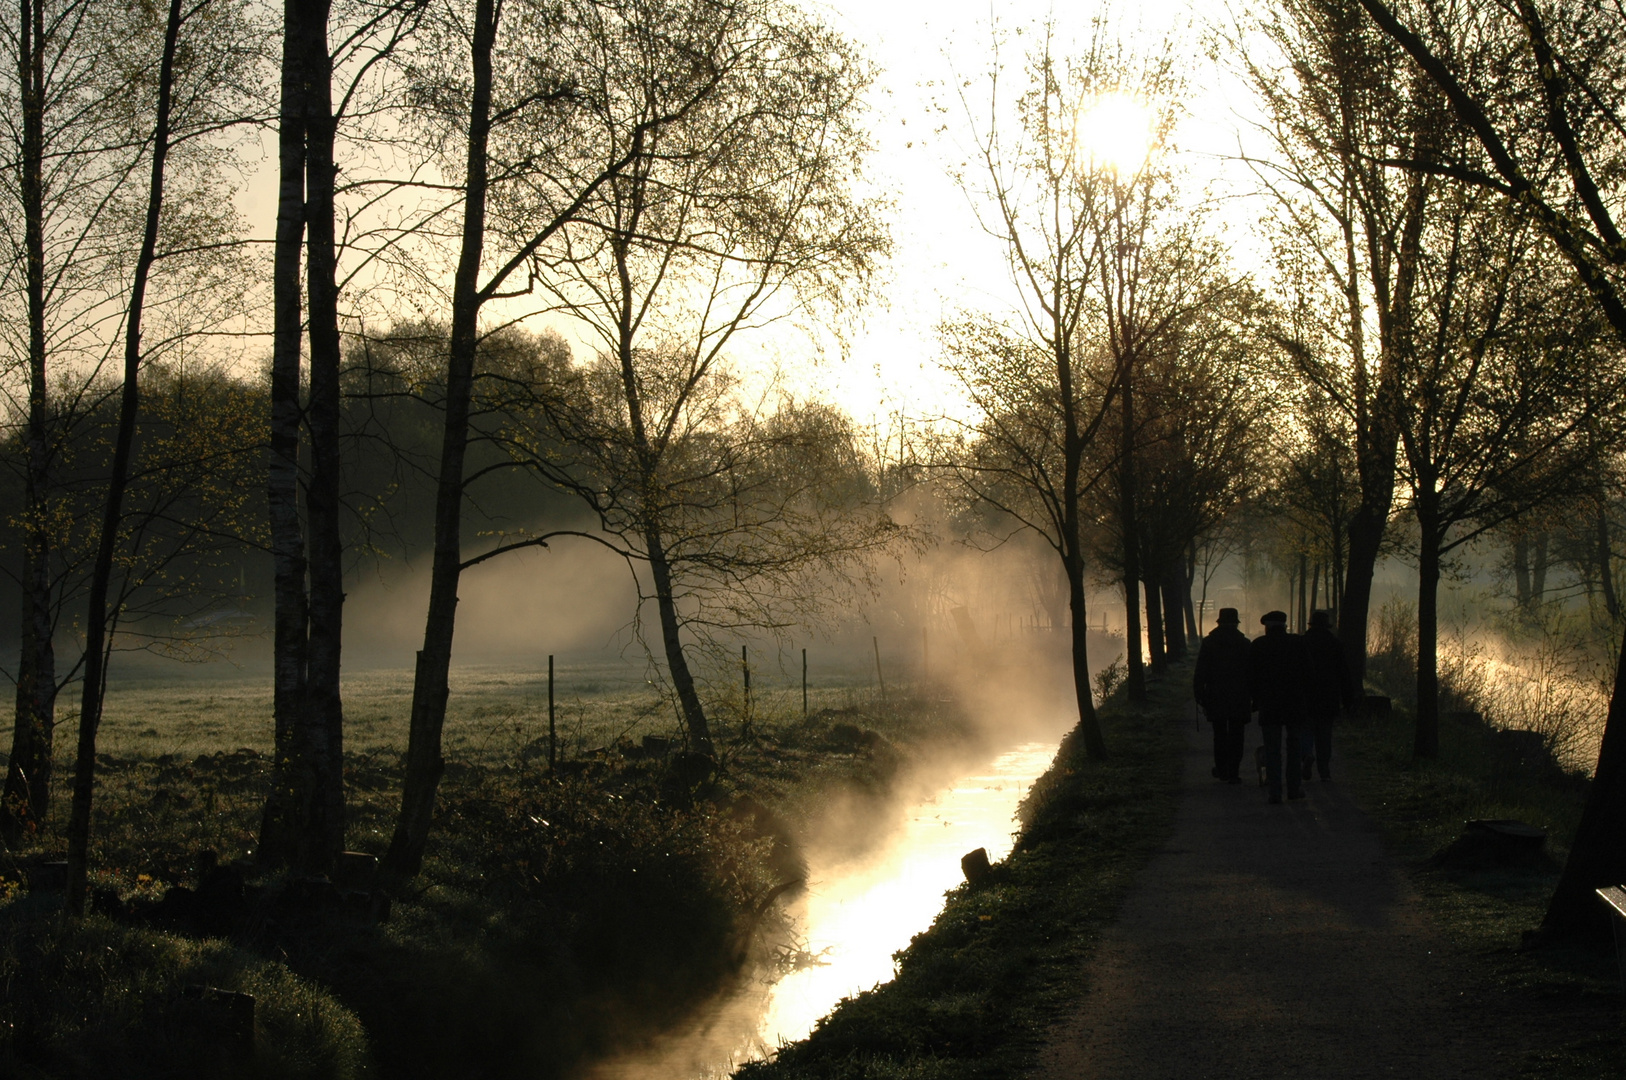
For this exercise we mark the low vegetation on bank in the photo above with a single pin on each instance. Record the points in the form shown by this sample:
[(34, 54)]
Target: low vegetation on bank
[(976, 993), (1491, 908), (558, 916)]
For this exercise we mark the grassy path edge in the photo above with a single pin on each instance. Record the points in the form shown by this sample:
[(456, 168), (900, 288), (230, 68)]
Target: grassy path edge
[(977, 993), (1571, 992)]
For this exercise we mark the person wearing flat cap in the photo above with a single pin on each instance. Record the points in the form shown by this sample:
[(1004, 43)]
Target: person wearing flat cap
[(1276, 685), (1220, 686)]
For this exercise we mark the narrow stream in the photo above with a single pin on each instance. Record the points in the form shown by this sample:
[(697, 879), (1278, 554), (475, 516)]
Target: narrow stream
[(853, 917)]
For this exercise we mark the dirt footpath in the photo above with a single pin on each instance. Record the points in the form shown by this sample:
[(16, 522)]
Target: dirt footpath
[(1273, 941)]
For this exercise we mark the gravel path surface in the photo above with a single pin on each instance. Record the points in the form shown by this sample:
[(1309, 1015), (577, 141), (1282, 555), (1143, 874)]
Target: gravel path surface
[(1273, 941)]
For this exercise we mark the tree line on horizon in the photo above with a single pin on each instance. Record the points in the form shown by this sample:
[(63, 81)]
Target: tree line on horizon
[(1432, 356)]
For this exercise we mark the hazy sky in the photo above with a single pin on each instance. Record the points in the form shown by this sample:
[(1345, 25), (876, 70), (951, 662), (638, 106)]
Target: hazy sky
[(943, 261)]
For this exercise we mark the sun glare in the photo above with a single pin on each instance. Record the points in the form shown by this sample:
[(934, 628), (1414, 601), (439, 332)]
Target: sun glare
[(1117, 131)]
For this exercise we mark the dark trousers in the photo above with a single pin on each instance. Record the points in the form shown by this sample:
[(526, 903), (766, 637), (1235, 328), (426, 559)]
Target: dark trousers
[(1317, 736), (1273, 731), (1229, 732)]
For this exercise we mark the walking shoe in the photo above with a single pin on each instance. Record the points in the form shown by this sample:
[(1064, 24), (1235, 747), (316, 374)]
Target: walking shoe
[(1215, 773)]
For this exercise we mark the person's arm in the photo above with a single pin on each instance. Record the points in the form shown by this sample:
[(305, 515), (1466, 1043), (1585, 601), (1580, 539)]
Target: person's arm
[(1199, 677), (1253, 674)]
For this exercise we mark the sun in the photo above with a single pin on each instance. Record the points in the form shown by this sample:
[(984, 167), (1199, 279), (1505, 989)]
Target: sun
[(1117, 131)]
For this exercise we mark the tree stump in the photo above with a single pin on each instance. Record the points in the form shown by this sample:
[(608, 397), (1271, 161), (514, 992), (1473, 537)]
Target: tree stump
[(51, 876), (355, 870), (1499, 842), (975, 866)]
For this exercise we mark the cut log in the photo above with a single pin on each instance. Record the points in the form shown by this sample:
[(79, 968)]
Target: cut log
[(355, 870), (975, 866), (1499, 842)]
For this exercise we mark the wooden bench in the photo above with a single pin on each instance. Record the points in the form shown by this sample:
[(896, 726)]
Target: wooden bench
[(1615, 897)]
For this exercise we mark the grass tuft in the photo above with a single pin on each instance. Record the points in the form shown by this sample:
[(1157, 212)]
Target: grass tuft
[(104, 999)]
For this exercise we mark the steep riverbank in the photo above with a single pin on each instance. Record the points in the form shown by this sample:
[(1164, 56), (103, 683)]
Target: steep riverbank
[(559, 918)]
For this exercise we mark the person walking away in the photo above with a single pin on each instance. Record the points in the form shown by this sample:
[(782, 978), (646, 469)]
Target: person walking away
[(1276, 686), (1220, 685), (1327, 692)]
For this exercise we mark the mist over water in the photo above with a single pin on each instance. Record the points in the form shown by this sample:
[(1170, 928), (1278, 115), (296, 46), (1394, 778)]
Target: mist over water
[(876, 876), (854, 915)]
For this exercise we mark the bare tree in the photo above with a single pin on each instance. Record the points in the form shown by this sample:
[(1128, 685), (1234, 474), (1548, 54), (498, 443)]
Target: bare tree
[(743, 519), (213, 86), (76, 142), (1547, 117), (303, 823), (1492, 407), (573, 138), (1349, 232), (1041, 382), (740, 217)]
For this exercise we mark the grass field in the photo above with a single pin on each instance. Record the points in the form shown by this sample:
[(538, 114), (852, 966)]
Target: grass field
[(197, 709)]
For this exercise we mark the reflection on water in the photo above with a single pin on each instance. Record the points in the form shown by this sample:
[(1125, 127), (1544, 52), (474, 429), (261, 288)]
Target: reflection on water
[(853, 917), (855, 922)]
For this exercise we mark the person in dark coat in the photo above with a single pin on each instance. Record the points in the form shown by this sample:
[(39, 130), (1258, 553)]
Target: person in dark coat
[(1220, 686), (1276, 685), (1327, 692)]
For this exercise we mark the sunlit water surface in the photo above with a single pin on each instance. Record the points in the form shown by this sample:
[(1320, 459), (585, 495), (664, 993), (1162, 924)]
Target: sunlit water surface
[(853, 917)]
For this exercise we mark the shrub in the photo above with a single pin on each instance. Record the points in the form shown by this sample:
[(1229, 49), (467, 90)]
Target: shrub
[(105, 1000)]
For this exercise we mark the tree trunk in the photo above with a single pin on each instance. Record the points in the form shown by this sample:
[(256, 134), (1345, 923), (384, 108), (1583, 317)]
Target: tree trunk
[(1426, 742), (27, 795), (1136, 680), (1365, 538), (1377, 434), (293, 825), (1072, 557), (1597, 856), (1155, 638), (430, 688), (1538, 569), (1606, 571), (1193, 629), (96, 617), (1304, 595), (1335, 577), (323, 833), (1095, 747), (280, 826), (677, 662), (1521, 570), (1174, 629)]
